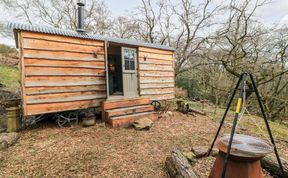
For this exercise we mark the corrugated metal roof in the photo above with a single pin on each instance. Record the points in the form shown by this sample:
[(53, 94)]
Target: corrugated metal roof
[(69, 33)]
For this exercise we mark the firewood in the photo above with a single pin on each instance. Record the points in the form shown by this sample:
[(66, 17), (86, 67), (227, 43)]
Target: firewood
[(197, 111), (270, 163), (178, 166)]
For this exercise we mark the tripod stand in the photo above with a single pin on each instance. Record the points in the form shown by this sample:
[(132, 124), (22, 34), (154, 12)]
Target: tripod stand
[(242, 80)]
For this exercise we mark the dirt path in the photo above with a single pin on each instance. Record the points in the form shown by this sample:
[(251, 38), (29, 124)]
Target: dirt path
[(102, 152)]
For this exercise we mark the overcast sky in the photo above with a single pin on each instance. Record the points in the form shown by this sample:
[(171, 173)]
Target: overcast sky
[(275, 12)]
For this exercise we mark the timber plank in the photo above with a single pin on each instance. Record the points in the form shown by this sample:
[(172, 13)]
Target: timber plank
[(124, 103), (63, 63), (156, 74), (157, 85), (68, 89), (156, 80), (53, 71), (156, 56), (156, 91), (161, 96), (38, 57), (68, 97), (129, 110), (59, 46), (154, 61), (22, 71), (155, 67), (59, 38), (58, 107), (156, 51), (42, 81), (126, 121), (65, 55)]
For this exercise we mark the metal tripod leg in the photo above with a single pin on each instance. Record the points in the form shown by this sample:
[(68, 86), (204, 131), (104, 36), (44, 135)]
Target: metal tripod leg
[(238, 109), (224, 116), (266, 122)]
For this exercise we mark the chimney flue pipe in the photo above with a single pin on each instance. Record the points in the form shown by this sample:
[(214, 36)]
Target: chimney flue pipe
[(80, 27)]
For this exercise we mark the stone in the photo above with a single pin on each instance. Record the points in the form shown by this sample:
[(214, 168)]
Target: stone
[(214, 152), (143, 124), (190, 156), (1, 157), (3, 145), (2, 130), (88, 122), (199, 151), (286, 140), (169, 113), (11, 138)]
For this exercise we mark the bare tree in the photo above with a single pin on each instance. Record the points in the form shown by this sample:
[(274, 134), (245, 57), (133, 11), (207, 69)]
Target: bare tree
[(62, 14)]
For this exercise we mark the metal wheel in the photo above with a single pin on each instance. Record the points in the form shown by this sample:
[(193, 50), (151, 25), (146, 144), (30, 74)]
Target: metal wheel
[(156, 104)]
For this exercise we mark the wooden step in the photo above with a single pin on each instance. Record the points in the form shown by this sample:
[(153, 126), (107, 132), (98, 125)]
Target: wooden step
[(112, 104), (127, 120), (128, 110)]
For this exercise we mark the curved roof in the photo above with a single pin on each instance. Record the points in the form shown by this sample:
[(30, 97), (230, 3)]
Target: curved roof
[(70, 33)]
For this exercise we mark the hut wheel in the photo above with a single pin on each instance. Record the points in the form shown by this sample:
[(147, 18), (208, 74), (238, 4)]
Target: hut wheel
[(156, 105)]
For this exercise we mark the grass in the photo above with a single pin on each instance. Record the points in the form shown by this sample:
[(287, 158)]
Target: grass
[(254, 124), (9, 76)]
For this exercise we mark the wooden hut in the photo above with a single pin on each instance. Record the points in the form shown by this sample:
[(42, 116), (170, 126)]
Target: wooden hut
[(65, 70)]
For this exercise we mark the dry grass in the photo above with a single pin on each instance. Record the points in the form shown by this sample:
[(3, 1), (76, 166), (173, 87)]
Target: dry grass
[(103, 152)]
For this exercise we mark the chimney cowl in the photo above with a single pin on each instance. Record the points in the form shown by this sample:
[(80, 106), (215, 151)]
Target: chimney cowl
[(80, 23)]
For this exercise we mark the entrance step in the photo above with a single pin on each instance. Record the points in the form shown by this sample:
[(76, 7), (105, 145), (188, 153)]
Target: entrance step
[(122, 113), (128, 110), (127, 120)]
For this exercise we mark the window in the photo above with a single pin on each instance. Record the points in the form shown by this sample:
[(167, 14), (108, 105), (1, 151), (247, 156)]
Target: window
[(129, 59)]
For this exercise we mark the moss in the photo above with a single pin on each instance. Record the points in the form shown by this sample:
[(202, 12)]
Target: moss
[(9, 77)]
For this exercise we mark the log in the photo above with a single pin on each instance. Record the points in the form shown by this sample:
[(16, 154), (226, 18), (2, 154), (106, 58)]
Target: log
[(270, 164), (184, 107), (178, 166), (197, 111)]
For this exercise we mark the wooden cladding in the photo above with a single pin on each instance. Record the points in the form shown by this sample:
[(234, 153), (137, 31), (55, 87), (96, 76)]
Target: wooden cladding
[(156, 73), (61, 73)]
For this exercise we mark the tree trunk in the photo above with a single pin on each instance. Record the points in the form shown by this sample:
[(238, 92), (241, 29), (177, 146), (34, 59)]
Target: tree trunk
[(270, 163), (178, 166)]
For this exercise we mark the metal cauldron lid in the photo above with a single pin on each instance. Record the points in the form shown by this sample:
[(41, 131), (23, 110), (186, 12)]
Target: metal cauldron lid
[(245, 146)]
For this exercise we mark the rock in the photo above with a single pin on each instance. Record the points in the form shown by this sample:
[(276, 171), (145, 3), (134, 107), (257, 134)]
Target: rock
[(143, 124), (214, 152), (3, 145), (2, 130), (88, 122), (1, 157), (169, 113), (11, 138), (199, 151), (190, 156)]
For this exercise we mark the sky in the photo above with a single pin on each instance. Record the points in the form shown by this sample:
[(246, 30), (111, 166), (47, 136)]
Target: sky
[(275, 12)]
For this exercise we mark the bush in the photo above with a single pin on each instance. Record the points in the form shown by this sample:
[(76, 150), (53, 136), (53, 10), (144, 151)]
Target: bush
[(6, 50)]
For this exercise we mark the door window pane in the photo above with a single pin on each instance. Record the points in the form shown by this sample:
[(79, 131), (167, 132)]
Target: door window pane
[(132, 65), (129, 59)]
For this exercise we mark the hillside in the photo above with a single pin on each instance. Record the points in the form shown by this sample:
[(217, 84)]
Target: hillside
[(9, 78)]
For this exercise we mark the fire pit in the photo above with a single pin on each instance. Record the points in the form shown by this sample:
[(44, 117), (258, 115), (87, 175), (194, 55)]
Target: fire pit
[(244, 159)]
